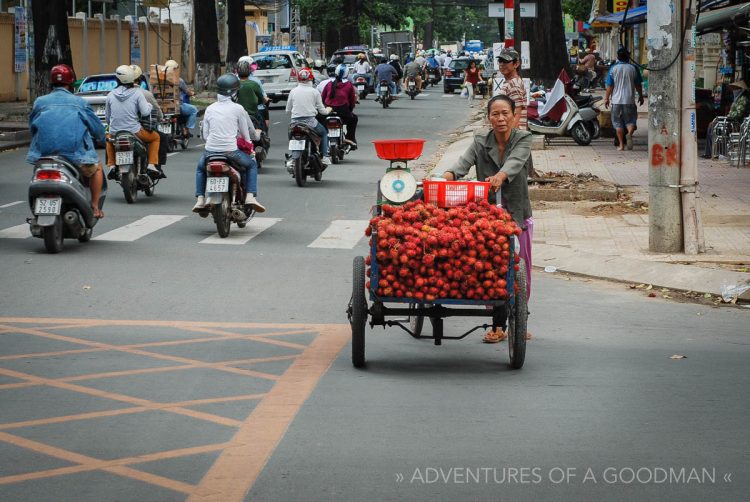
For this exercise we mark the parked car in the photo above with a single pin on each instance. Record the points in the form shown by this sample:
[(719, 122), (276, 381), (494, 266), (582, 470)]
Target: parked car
[(277, 70), (453, 77)]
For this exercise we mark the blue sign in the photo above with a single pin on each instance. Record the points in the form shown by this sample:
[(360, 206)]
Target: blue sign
[(269, 48), (21, 39)]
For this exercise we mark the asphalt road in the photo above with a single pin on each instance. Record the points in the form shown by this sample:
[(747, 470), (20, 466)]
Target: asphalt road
[(171, 366)]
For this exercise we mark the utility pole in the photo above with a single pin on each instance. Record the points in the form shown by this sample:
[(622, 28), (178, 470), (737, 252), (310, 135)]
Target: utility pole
[(691, 216), (664, 139)]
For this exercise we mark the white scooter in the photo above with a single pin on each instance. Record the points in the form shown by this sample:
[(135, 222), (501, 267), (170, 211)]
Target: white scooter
[(571, 123)]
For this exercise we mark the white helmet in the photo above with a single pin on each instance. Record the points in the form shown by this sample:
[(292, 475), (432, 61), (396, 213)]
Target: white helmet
[(171, 64), (125, 74), (249, 60), (394, 57), (137, 72)]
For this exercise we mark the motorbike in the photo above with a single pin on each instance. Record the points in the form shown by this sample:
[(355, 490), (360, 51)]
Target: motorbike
[(336, 134), (130, 166), (586, 104), (433, 76), (385, 93), (225, 195), (263, 145), (304, 144), (555, 119), (360, 83), (411, 88), (60, 199), (173, 126)]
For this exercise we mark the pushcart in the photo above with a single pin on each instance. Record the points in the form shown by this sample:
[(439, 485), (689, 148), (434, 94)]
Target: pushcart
[(409, 314)]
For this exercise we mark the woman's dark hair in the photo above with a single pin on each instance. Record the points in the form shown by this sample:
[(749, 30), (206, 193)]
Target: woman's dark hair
[(472, 63), (501, 97)]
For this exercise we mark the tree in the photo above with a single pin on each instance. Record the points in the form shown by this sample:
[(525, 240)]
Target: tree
[(546, 37), (580, 10), (237, 45), (207, 59), (51, 42)]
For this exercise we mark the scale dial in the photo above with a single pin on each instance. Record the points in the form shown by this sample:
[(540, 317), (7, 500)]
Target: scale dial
[(398, 186)]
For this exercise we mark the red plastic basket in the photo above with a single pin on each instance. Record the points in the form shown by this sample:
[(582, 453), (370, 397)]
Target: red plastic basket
[(399, 149), (455, 193)]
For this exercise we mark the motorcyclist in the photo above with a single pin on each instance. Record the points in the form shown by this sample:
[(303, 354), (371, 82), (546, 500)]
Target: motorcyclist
[(223, 122), (122, 109), (188, 111), (393, 61), (262, 107), (362, 67), (63, 124), (413, 71), (250, 94), (163, 138), (341, 97), (387, 72), (304, 102)]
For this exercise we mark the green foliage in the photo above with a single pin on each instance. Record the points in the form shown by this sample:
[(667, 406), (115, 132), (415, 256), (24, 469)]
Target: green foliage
[(580, 10)]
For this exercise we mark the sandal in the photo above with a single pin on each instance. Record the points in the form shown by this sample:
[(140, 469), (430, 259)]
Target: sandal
[(494, 336)]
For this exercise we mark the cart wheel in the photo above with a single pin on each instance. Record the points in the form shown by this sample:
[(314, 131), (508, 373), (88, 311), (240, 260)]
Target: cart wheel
[(517, 321), (416, 322), (358, 313)]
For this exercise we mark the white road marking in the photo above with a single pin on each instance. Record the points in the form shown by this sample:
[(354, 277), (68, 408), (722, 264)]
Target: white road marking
[(341, 234), (238, 236), (449, 95), (17, 232), (140, 228), (276, 123), (11, 204)]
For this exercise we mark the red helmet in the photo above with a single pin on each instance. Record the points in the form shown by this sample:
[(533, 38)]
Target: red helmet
[(62, 74), (305, 75)]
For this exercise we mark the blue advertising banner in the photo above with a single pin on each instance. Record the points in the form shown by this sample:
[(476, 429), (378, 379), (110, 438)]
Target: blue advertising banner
[(21, 39), (135, 42)]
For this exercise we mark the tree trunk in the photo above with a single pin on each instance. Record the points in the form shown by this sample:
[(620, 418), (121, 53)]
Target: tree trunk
[(546, 37), (237, 46), (332, 41), (429, 29), (207, 59), (51, 42), (350, 26)]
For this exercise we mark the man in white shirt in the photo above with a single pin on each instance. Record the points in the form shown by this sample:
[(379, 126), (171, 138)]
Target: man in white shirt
[(304, 103), (223, 122), (447, 59)]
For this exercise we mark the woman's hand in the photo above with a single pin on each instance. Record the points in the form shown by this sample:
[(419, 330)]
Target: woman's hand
[(449, 176), (497, 180)]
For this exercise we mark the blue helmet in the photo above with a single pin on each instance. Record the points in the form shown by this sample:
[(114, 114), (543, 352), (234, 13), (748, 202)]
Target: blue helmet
[(341, 71)]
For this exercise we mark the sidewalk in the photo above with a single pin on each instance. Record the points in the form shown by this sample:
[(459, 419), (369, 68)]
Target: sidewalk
[(570, 238), (14, 124)]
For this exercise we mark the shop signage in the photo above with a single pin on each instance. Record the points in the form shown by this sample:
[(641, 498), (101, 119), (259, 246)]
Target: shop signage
[(21, 37), (525, 9), (618, 5), (135, 41)]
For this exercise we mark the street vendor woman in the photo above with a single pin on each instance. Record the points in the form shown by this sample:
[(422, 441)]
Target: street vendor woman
[(501, 155)]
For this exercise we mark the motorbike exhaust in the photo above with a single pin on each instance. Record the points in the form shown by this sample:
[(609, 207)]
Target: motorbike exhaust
[(238, 215), (73, 221)]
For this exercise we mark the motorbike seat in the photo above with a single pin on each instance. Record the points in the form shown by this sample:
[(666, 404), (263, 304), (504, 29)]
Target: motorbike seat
[(220, 157), (308, 130), (129, 135)]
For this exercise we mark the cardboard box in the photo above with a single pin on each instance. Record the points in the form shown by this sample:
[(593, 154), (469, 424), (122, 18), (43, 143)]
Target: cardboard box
[(159, 75)]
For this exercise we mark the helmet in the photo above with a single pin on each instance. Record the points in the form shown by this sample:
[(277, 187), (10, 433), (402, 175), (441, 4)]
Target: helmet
[(171, 64), (249, 60), (341, 71), (125, 74), (137, 72), (361, 55), (62, 74), (228, 84), (243, 69), (305, 75), (394, 57)]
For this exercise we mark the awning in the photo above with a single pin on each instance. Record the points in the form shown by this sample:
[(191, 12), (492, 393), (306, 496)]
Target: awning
[(636, 15), (719, 19)]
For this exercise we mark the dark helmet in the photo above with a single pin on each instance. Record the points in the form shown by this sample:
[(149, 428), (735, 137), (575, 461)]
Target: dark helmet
[(228, 84), (243, 69), (62, 74)]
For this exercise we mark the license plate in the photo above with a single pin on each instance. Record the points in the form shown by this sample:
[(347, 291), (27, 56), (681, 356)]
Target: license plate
[(48, 205), (334, 133), (383, 88), (217, 184), (296, 144), (165, 128), (123, 158), (411, 85), (360, 87)]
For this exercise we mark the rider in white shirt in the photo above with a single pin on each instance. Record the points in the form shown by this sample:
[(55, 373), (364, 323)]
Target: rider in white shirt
[(362, 67), (304, 103)]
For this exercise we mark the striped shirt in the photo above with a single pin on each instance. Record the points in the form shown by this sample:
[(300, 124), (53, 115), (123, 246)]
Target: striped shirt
[(516, 91)]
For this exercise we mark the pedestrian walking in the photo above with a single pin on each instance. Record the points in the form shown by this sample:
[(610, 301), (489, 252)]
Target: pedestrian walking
[(623, 80)]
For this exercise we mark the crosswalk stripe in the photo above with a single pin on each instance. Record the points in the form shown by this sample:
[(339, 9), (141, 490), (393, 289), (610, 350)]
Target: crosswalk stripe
[(238, 236), (341, 234), (11, 204), (17, 232), (140, 228), (449, 95)]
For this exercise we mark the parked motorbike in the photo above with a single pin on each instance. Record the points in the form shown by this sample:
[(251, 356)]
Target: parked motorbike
[(570, 123), (336, 134), (304, 147), (360, 83), (411, 88), (225, 195), (130, 166), (385, 93), (60, 199)]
